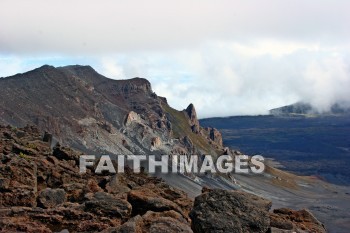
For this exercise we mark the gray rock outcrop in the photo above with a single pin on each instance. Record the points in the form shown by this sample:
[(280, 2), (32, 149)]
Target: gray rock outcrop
[(230, 211)]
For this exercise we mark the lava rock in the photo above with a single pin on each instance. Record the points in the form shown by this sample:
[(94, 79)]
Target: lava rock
[(230, 211), (106, 205), (49, 198), (144, 199), (297, 221)]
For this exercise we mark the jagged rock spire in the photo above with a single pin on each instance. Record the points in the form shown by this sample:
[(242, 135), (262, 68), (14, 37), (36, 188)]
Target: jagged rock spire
[(191, 113)]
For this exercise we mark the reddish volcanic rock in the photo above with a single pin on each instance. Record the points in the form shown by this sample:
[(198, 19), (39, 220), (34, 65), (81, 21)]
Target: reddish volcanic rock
[(300, 220), (65, 199)]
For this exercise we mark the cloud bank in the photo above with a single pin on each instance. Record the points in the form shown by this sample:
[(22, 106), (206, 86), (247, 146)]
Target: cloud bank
[(227, 57), (223, 80)]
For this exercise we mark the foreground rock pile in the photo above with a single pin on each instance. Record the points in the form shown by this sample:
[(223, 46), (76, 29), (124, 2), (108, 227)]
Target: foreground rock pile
[(42, 191)]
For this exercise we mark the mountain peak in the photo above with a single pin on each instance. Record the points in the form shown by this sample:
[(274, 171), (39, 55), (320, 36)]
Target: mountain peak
[(85, 68), (46, 67)]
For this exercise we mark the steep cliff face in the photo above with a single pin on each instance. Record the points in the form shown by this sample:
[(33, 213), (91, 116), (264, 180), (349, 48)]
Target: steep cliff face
[(90, 112)]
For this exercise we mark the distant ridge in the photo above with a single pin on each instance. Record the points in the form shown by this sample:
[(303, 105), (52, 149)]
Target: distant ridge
[(302, 108)]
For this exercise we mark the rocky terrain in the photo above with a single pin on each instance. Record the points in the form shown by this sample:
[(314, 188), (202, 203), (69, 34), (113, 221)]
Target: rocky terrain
[(97, 115), (42, 190)]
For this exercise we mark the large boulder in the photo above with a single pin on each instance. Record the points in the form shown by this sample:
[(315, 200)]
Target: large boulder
[(133, 225), (295, 220), (117, 185), (230, 211), (144, 199), (169, 221), (65, 153), (104, 204), (153, 222), (49, 198)]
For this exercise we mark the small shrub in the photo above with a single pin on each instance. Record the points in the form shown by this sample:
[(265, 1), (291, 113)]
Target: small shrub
[(23, 156), (32, 146)]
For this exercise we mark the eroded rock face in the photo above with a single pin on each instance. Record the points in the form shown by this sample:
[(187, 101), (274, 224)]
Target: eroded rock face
[(156, 142), (132, 117), (135, 85), (230, 211), (188, 144), (215, 136)]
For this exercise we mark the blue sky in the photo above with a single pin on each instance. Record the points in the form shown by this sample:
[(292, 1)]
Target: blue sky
[(227, 57)]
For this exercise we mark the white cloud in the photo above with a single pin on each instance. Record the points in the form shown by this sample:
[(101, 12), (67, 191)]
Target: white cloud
[(327, 81), (95, 27), (228, 57), (274, 48)]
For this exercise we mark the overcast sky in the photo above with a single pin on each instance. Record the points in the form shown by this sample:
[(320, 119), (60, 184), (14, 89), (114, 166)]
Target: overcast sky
[(227, 57)]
